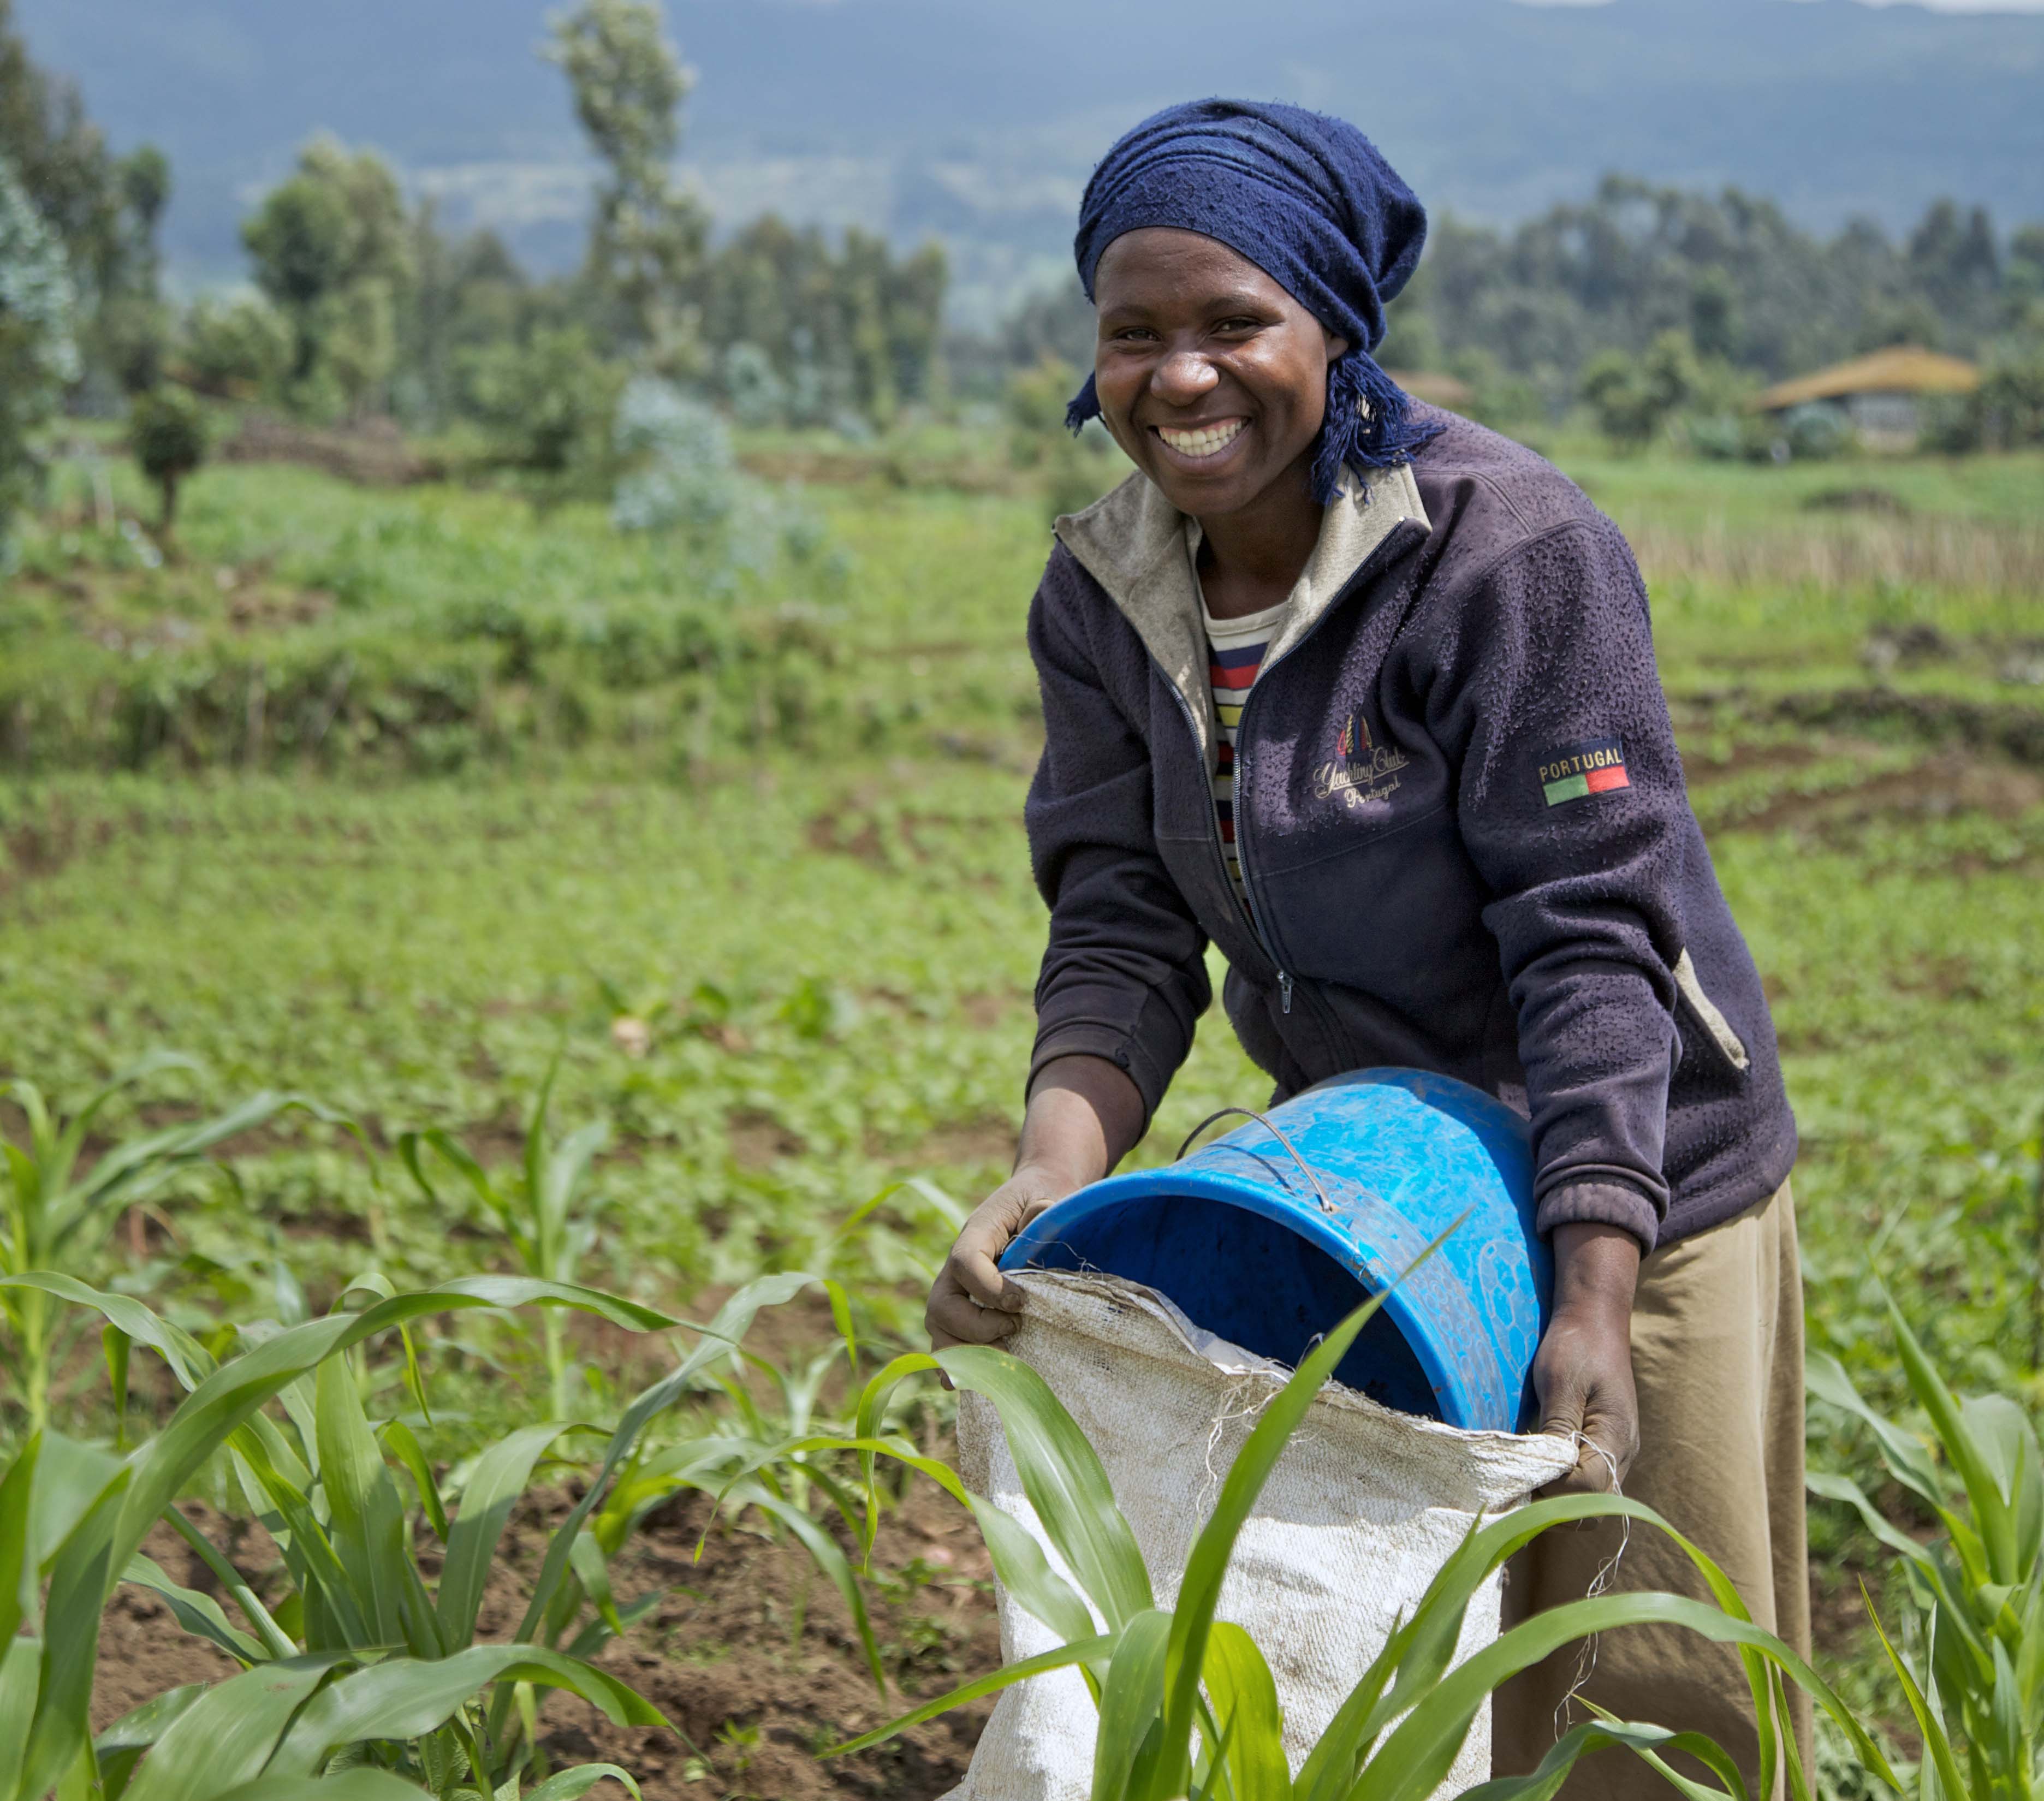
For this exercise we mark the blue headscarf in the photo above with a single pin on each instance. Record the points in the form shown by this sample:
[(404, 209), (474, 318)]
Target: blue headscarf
[(1309, 199)]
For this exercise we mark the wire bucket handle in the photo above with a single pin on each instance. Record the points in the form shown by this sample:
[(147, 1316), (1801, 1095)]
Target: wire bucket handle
[(1269, 1126)]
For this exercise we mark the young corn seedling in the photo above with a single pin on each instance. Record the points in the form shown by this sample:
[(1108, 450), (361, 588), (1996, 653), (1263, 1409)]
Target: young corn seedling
[(1188, 1704), (1977, 1692), (537, 1211), (54, 1212), (363, 1663)]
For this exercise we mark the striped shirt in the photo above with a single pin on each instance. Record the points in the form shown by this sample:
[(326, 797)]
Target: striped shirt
[(1234, 649)]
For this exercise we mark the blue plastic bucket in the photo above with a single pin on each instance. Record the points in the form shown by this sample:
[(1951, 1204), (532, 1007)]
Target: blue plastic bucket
[(1268, 1251)]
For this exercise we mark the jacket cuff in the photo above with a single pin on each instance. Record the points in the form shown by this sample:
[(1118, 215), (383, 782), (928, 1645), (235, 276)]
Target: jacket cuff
[(1599, 1204), (1081, 1038)]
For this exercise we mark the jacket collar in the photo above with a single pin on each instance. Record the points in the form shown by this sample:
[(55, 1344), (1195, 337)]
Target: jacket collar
[(1135, 544)]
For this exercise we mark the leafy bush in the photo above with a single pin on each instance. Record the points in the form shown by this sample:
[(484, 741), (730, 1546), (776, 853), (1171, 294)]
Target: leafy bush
[(547, 404), (236, 350), (682, 475), (1633, 399), (169, 433)]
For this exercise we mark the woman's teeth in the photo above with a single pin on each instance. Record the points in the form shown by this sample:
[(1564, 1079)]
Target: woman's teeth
[(1202, 441)]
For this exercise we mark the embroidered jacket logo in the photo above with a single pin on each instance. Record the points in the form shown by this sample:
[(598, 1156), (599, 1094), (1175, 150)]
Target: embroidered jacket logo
[(1363, 773), (1577, 771)]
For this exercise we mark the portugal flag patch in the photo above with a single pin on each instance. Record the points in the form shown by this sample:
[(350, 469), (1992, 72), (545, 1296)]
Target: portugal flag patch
[(1577, 771)]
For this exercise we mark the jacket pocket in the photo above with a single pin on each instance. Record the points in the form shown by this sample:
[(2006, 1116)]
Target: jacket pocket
[(1716, 1029)]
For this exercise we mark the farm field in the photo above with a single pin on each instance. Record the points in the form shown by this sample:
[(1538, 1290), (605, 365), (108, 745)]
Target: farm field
[(399, 798)]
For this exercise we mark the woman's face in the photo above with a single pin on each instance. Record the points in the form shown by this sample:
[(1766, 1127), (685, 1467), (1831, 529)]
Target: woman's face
[(1210, 375)]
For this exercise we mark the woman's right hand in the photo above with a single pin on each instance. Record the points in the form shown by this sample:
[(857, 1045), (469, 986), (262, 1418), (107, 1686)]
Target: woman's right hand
[(971, 1302), (1084, 1115)]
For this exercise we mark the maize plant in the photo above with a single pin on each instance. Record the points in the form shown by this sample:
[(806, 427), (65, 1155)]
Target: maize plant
[(1188, 1704), (363, 1667), (1977, 1594), (52, 1208), (537, 1211)]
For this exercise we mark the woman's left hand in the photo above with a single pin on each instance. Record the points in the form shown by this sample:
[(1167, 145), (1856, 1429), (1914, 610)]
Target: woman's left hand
[(1582, 1375)]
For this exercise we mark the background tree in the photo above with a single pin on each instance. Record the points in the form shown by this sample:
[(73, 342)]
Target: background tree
[(332, 247), (1635, 398), (647, 242), (38, 355), (167, 432), (548, 403), (103, 212), (241, 349)]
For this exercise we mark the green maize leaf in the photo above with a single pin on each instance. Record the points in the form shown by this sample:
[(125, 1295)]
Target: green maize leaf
[(403, 1444), (286, 1513), (18, 1563), (119, 1749), (2006, 1713), (115, 1343), (81, 1576), (1991, 1512), (1937, 1747), (1417, 1756), (227, 1736), (494, 1486), (70, 1477), (1025, 1572), (1832, 1487), (1647, 1740), (825, 1553), (1906, 1459), (368, 1528), (362, 1783), (20, 1680), (1086, 1650), (1245, 1696), (718, 1338), (1062, 1478), (572, 1785), (1130, 1702), (585, 1559), (594, 1636), (564, 1173), (274, 1638), (408, 1698), (2008, 1444), (226, 1400), (1199, 1590), (2030, 1643), (199, 1615)]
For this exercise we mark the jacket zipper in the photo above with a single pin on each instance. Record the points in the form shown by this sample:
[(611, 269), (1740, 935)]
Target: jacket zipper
[(1248, 918)]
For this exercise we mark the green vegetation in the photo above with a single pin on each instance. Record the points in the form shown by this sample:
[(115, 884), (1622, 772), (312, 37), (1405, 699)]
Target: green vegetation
[(738, 844)]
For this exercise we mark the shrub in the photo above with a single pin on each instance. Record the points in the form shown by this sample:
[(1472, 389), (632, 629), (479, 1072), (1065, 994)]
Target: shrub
[(236, 350), (169, 433), (547, 404)]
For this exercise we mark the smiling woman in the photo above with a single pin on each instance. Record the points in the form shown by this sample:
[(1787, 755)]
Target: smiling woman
[(1365, 696)]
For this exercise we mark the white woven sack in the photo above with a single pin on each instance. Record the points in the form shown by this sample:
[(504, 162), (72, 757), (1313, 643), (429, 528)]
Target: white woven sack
[(1360, 1513)]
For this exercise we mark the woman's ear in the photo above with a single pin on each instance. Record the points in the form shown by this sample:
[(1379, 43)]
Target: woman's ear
[(1337, 344)]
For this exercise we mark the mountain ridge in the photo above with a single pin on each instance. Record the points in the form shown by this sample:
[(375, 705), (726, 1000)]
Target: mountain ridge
[(979, 122)]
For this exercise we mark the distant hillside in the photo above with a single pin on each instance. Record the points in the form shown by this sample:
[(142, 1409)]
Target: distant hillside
[(977, 120)]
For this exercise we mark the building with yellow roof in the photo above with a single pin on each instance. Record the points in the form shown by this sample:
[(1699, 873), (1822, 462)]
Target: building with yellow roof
[(1880, 396)]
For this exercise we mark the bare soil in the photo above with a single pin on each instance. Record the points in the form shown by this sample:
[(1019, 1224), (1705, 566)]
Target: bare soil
[(751, 1655)]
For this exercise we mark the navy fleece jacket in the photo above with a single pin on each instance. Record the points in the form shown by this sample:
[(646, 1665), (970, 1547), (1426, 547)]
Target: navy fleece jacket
[(1463, 825)]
